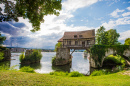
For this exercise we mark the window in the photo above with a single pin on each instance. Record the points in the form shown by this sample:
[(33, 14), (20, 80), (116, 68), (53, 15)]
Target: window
[(88, 42), (80, 36), (75, 36), (68, 42), (76, 42)]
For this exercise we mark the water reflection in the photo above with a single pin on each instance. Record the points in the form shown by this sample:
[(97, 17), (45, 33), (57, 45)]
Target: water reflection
[(79, 63), (34, 66), (64, 68)]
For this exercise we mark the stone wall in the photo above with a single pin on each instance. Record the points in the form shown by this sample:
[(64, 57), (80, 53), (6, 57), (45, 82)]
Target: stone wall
[(110, 52), (92, 63), (63, 56)]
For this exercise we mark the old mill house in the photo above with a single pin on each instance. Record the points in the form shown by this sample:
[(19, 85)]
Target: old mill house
[(78, 39)]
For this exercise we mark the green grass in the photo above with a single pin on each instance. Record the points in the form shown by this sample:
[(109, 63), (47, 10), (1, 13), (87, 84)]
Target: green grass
[(18, 78)]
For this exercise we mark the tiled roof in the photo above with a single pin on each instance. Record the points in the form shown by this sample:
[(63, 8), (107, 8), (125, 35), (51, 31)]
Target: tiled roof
[(85, 34)]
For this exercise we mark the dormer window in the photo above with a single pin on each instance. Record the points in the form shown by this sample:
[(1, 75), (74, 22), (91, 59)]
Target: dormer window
[(80, 36), (75, 36)]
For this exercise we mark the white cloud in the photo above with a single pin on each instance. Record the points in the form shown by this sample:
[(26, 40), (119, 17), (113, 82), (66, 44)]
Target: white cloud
[(120, 21), (54, 26), (73, 5), (128, 8), (124, 35), (2, 6), (115, 13), (126, 14)]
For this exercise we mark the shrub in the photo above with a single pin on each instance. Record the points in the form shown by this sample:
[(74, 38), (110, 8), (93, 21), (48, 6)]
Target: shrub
[(22, 57), (117, 60), (27, 69), (4, 67), (113, 60), (53, 60), (75, 74), (58, 45), (97, 73), (59, 73), (1, 56), (34, 57)]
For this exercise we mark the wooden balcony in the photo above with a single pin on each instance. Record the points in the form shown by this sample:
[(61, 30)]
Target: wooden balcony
[(78, 46)]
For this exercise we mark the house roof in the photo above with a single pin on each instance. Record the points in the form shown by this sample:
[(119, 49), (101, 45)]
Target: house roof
[(85, 34)]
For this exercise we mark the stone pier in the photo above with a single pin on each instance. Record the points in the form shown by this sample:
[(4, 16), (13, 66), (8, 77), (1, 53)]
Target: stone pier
[(63, 56)]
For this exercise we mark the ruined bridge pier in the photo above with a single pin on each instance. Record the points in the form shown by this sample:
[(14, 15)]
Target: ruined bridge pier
[(63, 57)]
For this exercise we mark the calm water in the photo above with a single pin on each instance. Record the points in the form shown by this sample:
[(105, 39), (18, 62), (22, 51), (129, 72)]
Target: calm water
[(79, 63)]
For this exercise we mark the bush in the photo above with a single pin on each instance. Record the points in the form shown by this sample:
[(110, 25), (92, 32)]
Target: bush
[(116, 60), (4, 67), (72, 74), (22, 57), (59, 73), (1, 56), (27, 69), (97, 73), (53, 60), (58, 45), (34, 57), (75, 74)]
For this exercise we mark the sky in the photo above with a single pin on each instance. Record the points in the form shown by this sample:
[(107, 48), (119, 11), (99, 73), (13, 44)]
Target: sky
[(76, 15)]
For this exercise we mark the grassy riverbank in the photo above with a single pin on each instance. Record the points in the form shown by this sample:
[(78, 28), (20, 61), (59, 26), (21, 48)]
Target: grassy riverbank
[(18, 78)]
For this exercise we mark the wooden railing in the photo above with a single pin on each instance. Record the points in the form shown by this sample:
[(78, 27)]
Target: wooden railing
[(78, 46)]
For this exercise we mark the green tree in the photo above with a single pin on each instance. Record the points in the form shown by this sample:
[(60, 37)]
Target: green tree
[(127, 41), (34, 10), (113, 37), (101, 36), (109, 37), (2, 39), (1, 56), (58, 45)]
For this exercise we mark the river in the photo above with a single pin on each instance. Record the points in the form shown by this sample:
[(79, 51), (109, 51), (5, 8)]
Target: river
[(79, 63)]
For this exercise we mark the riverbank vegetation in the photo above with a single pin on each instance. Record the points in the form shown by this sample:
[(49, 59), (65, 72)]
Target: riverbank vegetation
[(34, 57), (112, 60), (98, 52)]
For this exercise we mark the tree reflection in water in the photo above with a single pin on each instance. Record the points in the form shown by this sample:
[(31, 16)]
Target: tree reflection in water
[(64, 68), (35, 65)]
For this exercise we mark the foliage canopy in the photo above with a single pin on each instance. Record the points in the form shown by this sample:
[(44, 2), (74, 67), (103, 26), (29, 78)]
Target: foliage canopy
[(109, 37), (58, 45), (127, 41), (2, 39), (34, 10)]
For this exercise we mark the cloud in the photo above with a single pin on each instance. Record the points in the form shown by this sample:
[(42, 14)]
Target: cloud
[(124, 35), (73, 5), (115, 13), (120, 21), (126, 14), (128, 8), (14, 29)]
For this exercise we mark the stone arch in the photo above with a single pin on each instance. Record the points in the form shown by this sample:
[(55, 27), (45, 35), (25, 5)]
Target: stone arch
[(110, 51)]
